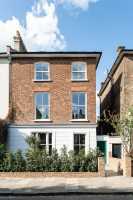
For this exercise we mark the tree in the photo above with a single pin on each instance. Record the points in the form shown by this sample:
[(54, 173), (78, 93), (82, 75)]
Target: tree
[(4, 124), (124, 127)]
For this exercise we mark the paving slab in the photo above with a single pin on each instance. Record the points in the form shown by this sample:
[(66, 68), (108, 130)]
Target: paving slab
[(52, 185)]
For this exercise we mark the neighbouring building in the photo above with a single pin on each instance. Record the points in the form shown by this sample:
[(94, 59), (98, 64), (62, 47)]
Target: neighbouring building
[(53, 95), (116, 96), (4, 85)]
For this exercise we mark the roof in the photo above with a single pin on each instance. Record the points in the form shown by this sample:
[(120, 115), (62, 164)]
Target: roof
[(65, 54), (123, 52)]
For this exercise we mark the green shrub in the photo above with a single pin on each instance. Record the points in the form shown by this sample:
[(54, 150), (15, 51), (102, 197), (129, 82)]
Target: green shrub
[(34, 160), (2, 151), (8, 162), (64, 160), (37, 159), (54, 164), (19, 162)]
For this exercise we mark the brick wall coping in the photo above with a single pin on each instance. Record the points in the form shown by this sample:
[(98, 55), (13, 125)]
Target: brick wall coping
[(50, 174)]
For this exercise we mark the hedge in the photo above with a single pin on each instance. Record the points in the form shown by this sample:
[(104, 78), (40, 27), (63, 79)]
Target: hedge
[(36, 159)]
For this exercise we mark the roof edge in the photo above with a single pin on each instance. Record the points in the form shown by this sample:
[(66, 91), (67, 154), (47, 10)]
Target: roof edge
[(114, 67)]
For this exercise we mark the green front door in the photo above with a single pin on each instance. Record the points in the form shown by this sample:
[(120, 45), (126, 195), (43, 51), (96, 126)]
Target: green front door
[(101, 145)]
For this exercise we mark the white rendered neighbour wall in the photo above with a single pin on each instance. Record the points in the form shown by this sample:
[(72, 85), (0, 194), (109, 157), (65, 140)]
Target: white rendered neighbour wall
[(60, 137), (4, 90)]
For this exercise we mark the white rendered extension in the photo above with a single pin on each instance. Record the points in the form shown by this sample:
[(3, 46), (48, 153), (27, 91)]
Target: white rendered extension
[(61, 135)]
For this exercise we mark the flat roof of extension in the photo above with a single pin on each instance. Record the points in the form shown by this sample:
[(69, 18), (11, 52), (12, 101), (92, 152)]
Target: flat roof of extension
[(118, 60), (65, 54)]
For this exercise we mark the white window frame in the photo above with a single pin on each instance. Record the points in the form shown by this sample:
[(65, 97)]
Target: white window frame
[(35, 72), (79, 62), (79, 144), (42, 105), (86, 107), (47, 138)]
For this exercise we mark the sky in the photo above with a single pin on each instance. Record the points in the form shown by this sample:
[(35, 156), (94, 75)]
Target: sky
[(70, 25)]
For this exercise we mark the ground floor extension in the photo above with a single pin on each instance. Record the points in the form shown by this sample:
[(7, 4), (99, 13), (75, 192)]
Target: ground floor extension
[(73, 136), (113, 151)]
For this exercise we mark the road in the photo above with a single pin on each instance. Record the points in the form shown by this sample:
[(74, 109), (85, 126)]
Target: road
[(71, 197)]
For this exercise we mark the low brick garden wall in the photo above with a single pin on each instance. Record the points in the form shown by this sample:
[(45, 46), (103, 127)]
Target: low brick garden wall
[(100, 172)]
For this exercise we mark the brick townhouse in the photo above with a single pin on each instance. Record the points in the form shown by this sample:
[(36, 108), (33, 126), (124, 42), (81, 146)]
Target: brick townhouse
[(116, 96), (53, 95)]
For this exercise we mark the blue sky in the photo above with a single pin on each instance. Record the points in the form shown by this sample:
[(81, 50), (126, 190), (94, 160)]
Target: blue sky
[(83, 25)]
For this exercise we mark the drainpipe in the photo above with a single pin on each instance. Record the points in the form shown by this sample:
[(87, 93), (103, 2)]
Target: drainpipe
[(8, 50)]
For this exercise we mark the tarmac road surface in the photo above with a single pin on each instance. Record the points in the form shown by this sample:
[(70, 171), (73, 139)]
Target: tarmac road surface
[(72, 197)]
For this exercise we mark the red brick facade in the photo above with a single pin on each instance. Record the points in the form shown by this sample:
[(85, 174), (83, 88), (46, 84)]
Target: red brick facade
[(23, 88)]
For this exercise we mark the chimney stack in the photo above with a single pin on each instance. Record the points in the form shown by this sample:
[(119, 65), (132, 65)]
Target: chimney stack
[(18, 43), (120, 48)]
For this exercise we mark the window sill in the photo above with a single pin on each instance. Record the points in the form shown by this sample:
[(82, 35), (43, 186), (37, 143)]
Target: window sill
[(79, 120), (42, 120), (34, 80), (85, 80)]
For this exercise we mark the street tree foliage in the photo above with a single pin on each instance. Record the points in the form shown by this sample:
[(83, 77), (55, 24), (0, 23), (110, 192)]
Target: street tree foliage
[(123, 127)]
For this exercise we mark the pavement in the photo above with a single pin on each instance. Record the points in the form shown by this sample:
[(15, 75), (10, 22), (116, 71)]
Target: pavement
[(56, 185)]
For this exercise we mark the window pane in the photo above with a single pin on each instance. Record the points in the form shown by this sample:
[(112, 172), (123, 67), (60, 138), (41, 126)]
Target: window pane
[(81, 75), (78, 67), (39, 75), (75, 99), (45, 99), (38, 113), (38, 99), (42, 67), (42, 146), (78, 75), (74, 76), (82, 139), (45, 112), (38, 67), (76, 149), (116, 150), (45, 75), (42, 112), (50, 138), (42, 138), (82, 148), (81, 98), (50, 149), (74, 112), (76, 138), (81, 112)]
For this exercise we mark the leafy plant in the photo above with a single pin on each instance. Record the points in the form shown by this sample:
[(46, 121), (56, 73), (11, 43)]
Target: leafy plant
[(65, 161), (124, 127), (19, 162), (8, 162), (37, 159)]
